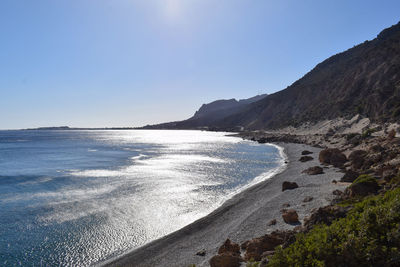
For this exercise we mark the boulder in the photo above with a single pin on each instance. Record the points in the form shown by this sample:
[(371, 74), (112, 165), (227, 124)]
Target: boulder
[(364, 185), (357, 158), (306, 152), (225, 260), (332, 156), (229, 247), (355, 140), (257, 247), (349, 176), (377, 148), (305, 158), (375, 158), (228, 255), (325, 215), (314, 170), (289, 185), (290, 216)]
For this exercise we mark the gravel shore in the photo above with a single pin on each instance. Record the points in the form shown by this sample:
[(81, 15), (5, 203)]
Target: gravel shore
[(243, 217)]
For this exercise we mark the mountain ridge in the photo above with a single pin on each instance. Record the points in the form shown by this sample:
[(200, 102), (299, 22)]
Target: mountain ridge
[(364, 79)]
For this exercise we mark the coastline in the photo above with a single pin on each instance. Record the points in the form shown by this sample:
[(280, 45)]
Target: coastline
[(242, 217)]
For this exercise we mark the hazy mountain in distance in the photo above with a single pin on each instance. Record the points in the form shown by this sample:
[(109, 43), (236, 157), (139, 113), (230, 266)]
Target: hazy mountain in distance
[(209, 114)]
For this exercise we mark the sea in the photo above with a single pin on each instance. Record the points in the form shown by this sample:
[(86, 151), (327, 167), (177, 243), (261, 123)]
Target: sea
[(79, 197)]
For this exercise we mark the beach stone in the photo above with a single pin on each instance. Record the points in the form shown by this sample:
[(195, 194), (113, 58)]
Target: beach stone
[(349, 176), (225, 260), (306, 152), (332, 156), (271, 222), (308, 199), (314, 170), (290, 216), (201, 253), (305, 158), (289, 185), (337, 192), (229, 247), (286, 205)]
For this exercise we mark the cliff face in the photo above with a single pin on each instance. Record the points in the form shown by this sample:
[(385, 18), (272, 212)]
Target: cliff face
[(364, 79)]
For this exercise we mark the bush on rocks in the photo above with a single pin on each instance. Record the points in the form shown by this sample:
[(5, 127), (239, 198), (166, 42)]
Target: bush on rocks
[(258, 248), (362, 186), (368, 236)]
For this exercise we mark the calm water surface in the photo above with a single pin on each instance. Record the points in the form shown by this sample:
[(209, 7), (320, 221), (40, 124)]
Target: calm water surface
[(74, 198)]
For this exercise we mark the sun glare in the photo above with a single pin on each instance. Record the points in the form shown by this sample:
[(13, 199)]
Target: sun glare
[(173, 9)]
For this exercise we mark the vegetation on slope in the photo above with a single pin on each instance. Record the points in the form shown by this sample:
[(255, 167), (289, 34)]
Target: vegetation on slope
[(368, 236)]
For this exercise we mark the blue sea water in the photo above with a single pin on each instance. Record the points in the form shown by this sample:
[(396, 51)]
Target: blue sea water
[(75, 198)]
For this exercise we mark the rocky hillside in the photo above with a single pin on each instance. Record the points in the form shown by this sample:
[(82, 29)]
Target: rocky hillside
[(223, 108), (210, 114), (362, 80)]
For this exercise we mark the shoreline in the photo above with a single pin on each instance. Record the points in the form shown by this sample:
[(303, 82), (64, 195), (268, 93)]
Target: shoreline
[(241, 217)]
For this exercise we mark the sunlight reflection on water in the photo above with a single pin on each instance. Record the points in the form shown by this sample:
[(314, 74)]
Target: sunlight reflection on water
[(109, 191)]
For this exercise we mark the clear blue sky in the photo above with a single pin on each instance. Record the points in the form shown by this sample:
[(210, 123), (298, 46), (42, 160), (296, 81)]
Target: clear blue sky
[(130, 63)]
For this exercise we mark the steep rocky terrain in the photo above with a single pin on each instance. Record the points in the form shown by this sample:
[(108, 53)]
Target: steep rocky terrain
[(364, 79)]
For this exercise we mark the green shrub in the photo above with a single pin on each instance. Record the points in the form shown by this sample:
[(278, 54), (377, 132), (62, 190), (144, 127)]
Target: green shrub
[(368, 132), (365, 179), (368, 236), (253, 263), (395, 180)]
